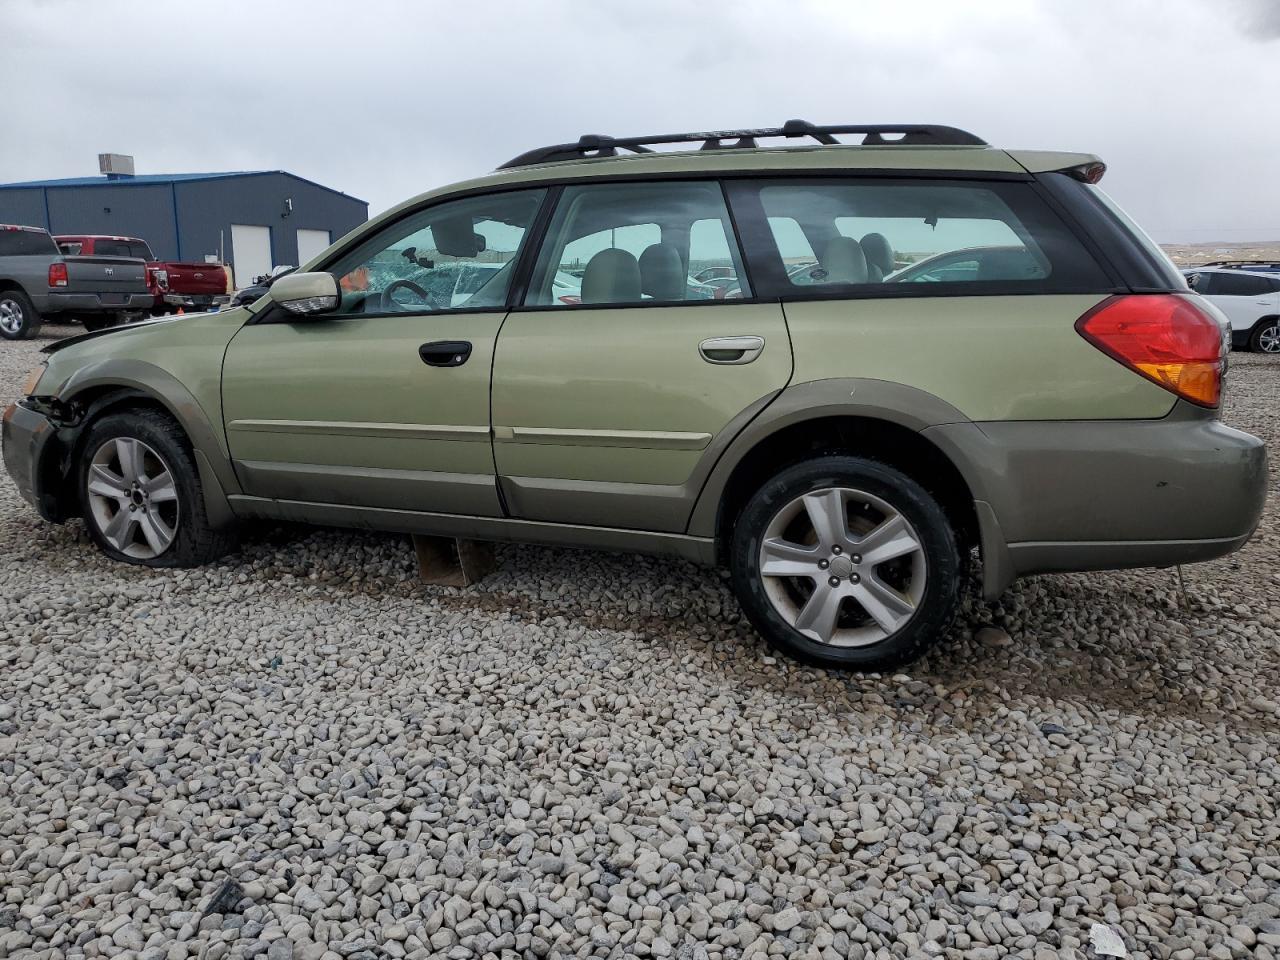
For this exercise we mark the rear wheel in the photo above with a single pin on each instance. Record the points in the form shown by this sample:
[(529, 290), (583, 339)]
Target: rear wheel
[(141, 494), (1266, 336), (845, 562), (18, 317), (98, 321)]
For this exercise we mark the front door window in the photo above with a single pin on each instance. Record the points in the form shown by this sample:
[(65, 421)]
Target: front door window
[(453, 256)]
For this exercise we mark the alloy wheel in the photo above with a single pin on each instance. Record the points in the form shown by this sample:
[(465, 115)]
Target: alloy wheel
[(133, 498), (1269, 339), (11, 317), (843, 567)]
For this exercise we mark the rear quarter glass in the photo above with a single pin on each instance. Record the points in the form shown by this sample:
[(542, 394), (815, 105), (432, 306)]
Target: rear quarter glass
[(1136, 261), (1152, 249), (785, 222)]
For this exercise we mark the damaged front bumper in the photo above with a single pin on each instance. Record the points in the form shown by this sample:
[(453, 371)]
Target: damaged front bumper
[(29, 439)]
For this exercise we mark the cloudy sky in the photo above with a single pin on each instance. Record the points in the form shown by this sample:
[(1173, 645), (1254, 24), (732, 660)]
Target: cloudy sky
[(386, 99)]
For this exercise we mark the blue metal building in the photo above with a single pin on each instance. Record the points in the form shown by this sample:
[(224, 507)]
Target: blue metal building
[(253, 220)]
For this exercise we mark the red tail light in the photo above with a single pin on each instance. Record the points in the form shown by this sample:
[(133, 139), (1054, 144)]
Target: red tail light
[(57, 274), (1165, 338)]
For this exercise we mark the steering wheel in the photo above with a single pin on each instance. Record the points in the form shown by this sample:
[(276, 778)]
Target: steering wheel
[(389, 304)]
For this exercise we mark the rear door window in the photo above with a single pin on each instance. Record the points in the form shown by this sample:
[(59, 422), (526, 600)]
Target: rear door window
[(17, 242), (877, 237), (1240, 285), (636, 244), (121, 248)]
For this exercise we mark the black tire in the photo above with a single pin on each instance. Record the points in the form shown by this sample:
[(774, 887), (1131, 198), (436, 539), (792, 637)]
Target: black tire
[(936, 606), (98, 321), (195, 541), (1265, 337), (18, 317)]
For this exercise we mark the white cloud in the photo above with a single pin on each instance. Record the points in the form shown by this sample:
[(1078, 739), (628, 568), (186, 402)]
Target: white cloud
[(385, 100)]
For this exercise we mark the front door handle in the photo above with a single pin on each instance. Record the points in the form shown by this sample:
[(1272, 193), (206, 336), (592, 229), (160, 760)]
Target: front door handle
[(730, 350), (445, 353)]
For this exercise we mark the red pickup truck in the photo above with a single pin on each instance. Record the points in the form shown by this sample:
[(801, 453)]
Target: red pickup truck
[(186, 286)]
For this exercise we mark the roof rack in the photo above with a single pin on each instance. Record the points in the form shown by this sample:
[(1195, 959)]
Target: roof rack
[(1243, 264), (873, 135)]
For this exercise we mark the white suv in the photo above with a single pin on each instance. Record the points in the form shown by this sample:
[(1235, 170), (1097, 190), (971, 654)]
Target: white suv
[(1250, 300)]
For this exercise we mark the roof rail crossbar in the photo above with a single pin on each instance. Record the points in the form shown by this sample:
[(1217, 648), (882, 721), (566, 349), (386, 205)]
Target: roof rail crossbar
[(1272, 264), (886, 134)]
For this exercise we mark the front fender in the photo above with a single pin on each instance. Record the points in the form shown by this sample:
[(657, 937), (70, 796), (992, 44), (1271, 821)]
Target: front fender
[(208, 441)]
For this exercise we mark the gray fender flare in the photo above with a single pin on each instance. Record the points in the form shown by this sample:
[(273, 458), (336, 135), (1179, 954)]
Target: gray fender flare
[(896, 403)]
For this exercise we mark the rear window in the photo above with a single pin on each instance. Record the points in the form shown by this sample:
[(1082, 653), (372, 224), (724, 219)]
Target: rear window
[(1240, 284), (122, 248), (869, 237), (22, 243)]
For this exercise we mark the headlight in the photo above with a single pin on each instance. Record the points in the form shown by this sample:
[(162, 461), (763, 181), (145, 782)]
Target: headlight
[(33, 380)]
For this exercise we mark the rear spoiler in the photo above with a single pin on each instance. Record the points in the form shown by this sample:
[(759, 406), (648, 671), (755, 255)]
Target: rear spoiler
[(1084, 167)]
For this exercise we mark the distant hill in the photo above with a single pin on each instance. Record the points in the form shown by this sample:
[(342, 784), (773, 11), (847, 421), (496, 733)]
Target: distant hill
[(1193, 254)]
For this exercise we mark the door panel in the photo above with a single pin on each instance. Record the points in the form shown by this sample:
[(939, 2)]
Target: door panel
[(385, 403), (344, 410), (612, 416), (1241, 311)]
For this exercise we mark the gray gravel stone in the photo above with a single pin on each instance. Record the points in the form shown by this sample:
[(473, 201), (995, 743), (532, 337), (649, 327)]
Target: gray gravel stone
[(589, 754)]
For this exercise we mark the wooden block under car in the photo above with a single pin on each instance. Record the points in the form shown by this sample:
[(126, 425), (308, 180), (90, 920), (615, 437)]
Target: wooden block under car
[(451, 562)]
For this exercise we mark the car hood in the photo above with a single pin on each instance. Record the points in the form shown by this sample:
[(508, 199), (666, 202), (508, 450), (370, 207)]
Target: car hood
[(171, 344), (59, 345)]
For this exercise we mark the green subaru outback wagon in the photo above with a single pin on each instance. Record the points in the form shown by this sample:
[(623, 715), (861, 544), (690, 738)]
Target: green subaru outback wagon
[(901, 350)]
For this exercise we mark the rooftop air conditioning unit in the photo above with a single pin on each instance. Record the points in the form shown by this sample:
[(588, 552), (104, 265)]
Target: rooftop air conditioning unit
[(115, 165)]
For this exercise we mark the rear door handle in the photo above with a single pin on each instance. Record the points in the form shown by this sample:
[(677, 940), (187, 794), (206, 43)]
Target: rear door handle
[(731, 350), (445, 353)]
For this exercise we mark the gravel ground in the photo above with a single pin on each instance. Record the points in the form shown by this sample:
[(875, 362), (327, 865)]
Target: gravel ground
[(303, 752)]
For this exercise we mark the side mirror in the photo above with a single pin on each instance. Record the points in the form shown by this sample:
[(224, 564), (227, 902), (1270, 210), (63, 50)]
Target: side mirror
[(305, 293)]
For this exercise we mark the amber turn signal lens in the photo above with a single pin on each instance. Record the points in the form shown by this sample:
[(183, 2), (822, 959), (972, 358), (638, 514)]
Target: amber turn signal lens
[(32, 381), (1165, 338)]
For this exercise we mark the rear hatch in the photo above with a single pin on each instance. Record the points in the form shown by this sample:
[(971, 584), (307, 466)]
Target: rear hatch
[(114, 279)]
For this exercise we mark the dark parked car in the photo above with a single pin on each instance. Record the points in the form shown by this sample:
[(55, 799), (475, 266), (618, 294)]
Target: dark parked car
[(261, 284)]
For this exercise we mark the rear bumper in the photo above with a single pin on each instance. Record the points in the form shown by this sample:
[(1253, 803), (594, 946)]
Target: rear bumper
[(1062, 496), (192, 301), (27, 436), (97, 302)]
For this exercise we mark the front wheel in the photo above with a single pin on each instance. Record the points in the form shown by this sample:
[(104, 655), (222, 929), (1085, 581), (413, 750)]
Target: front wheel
[(1266, 337), (141, 493), (846, 562)]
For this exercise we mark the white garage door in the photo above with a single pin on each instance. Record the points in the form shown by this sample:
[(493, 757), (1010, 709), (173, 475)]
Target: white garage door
[(250, 252), (310, 243)]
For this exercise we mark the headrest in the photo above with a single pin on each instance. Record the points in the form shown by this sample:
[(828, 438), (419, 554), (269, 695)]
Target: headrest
[(662, 272), (875, 246), (612, 276), (844, 261)]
